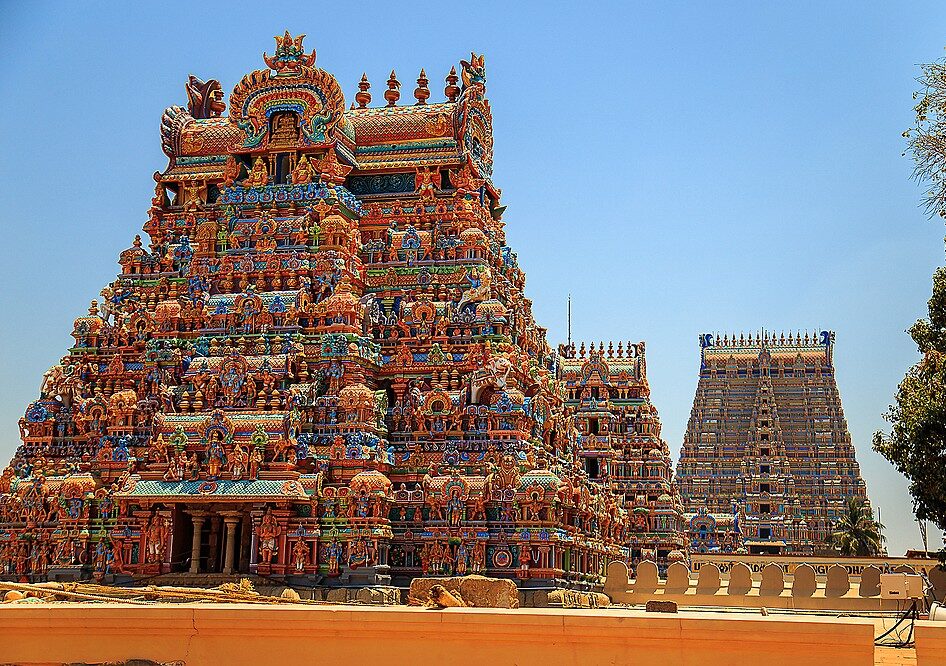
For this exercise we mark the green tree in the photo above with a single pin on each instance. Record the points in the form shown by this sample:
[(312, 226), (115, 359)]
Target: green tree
[(916, 444), (857, 533)]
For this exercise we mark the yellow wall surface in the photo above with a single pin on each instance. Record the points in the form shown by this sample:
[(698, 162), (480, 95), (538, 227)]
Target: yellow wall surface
[(292, 634)]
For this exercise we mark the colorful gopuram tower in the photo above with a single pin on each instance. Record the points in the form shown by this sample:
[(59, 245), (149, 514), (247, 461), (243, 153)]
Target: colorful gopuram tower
[(607, 399), (320, 364), (767, 463)]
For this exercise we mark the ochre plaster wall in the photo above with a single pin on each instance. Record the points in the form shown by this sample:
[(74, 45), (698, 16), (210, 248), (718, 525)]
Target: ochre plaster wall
[(251, 634), (930, 643)]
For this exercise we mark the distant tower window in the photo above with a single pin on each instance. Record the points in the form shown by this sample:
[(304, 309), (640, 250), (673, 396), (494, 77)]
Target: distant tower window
[(593, 426), (764, 452), (765, 532), (763, 469), (765, 508), (592, 467)]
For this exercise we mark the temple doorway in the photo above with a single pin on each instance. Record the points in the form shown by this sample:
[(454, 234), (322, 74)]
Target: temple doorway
[(212, 540)]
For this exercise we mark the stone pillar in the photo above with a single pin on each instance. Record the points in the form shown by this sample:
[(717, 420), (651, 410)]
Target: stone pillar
[(282, 556), (246, 537), (198, 521), (213, 556), (229, 544)]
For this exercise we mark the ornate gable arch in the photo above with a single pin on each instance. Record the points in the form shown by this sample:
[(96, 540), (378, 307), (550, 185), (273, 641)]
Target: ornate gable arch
[(312, 94)]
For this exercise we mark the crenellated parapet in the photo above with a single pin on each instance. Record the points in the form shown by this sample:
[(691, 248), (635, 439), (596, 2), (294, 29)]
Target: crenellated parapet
[(768, 346)]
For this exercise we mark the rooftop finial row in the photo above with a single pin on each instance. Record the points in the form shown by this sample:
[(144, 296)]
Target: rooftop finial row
[(768, 338), (633, 350), (421, 92)]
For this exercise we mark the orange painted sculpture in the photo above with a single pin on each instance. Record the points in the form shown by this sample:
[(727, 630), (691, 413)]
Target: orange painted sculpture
[(321, 367)]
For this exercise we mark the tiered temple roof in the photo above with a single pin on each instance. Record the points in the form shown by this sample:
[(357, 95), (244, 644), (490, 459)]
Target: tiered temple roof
[(321, 365), (767, 463), (607, 399)]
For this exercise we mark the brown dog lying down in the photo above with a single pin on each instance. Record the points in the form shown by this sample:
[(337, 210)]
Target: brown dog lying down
[(440, 598)]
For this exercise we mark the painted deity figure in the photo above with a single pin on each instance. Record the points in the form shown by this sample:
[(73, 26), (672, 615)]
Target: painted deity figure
[(102, 557), (6, 479), (302, 174), (230, 171), (532, 508), (216, 457), (258, 176), (159, 449), (479, 507), (191, 466), (267, 533), (425, 560), (21, 559), (478, 563), (434, 506), (172, 473), (436, 556), (157, 534), (454, 510), (462, 555), (238, 461), (362, 505), (300, 556), (63, 553), (426, 187), (357, 554), (232, 381), (525, 559), (328, 509), (118, 559), (256, 459), (335, 550)]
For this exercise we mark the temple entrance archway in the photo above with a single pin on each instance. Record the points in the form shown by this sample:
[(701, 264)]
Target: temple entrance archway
[(212, 540)]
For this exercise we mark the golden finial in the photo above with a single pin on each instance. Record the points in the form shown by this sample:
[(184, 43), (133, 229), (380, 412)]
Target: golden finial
[(452, 90), (422, 92), (363, 97), (393, 93)]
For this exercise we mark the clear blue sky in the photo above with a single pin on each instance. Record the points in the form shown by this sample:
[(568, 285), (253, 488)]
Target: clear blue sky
[(677, 167)]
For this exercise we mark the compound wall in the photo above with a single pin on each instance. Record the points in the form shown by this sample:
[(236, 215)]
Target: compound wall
[(236, 634)]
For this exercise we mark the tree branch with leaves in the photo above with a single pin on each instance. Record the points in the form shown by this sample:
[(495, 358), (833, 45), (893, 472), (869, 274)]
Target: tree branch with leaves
[(927, 138), (916, 444), (857, 533)]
